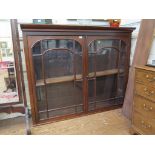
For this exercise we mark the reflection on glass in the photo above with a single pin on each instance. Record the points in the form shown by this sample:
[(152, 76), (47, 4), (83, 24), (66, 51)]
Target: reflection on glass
[(8, 84), (58, 63)]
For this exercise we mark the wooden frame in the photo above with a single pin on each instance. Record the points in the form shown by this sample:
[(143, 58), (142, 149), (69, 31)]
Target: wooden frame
[(142, 50), (33, 33), (20, 108), (16, 49), (144, 75)]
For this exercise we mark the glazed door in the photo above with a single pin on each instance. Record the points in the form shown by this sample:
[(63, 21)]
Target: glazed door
[(73, 75), (106, 72), (58, 74)]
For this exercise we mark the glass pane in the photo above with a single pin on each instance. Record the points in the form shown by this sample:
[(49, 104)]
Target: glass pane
[(8, 78), (60, 43), (122, 70), (58, 63), (37, 48), (58, 73), (106, 61), (91, 90), (101, 43), (123, 57), (103, 55), (64, 98), (121, 85), (37, 67), (104, 88), (40, 93)]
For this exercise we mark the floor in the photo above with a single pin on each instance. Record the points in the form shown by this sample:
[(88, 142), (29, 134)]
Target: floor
[(104, 123)]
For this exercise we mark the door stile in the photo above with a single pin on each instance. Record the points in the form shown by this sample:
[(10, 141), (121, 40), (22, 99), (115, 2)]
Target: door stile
[(32, 88), (85, 73), (94, 78), (118, 63)]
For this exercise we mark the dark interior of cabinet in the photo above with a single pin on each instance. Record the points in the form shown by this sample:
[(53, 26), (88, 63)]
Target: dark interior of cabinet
[(58, 68)]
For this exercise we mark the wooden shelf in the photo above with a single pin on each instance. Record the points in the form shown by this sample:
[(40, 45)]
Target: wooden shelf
[(78, 77), (105, 73), (58, 79)]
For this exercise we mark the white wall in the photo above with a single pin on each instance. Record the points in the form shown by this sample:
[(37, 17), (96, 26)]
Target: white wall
[(5, 29)]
